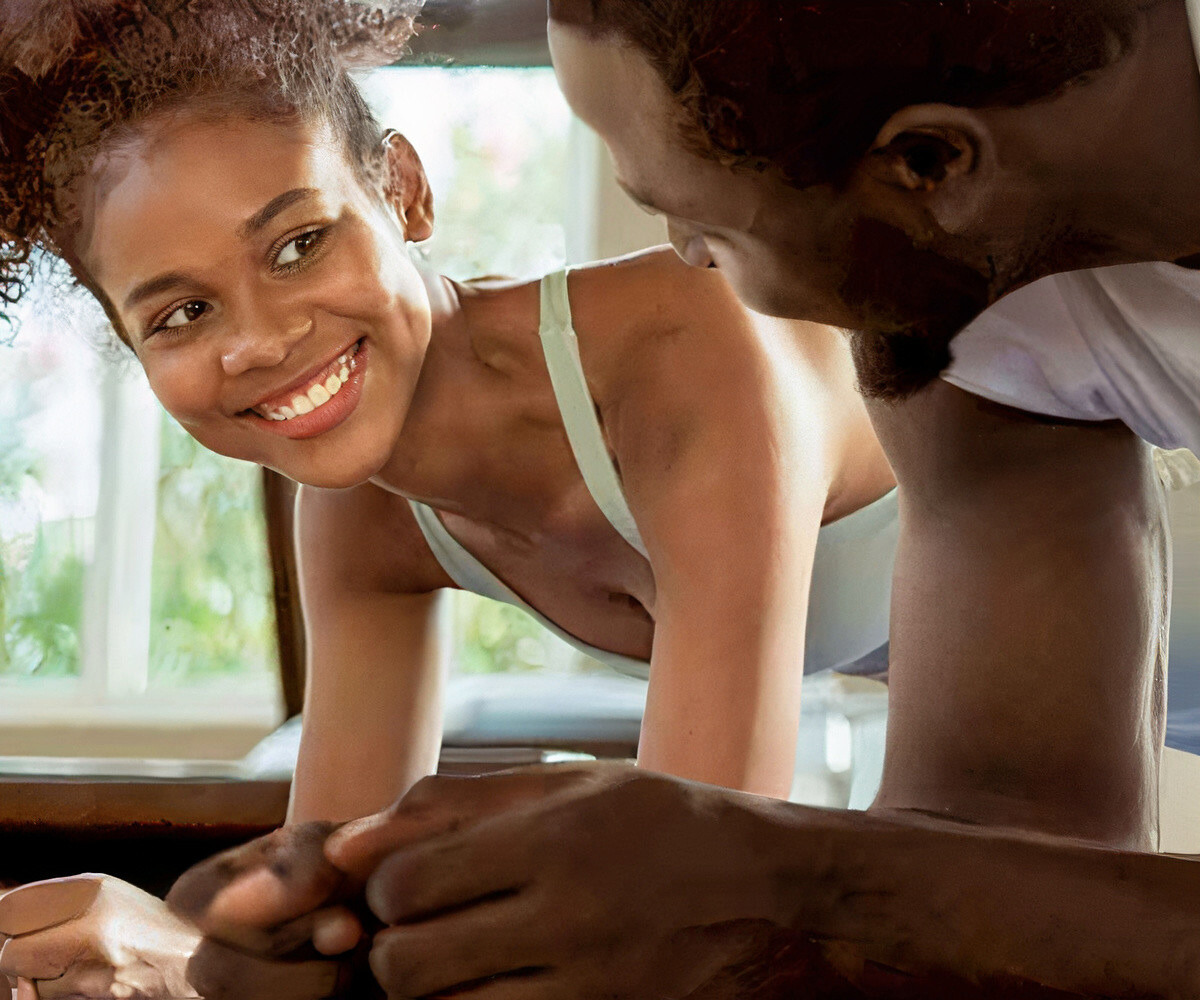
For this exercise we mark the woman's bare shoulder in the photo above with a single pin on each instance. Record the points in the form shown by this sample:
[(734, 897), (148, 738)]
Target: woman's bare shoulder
[(652, 285), (652, 296), (366, 538)]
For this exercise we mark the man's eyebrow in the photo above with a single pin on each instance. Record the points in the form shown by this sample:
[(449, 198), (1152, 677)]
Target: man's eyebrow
[(272, 208), (155, 286)]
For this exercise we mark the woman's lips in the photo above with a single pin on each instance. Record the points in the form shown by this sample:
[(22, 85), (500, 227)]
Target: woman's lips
[(314, 390), (316, 406)]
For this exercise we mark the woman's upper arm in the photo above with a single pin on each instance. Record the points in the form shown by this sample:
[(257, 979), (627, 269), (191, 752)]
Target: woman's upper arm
[(729, 499), (372, 709)]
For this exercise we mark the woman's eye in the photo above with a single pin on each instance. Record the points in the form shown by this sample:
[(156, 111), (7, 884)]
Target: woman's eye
[(298, 248), (189, 312)]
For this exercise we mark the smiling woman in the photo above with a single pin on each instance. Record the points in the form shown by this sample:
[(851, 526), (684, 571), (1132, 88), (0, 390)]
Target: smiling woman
[(186, 667)]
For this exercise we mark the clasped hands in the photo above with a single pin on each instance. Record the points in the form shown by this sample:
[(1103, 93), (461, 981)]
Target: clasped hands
[(544, 882)]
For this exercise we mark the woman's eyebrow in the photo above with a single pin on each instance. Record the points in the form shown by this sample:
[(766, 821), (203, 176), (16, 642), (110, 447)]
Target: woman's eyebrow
[(154, 286), (272, 208), (166, 282)]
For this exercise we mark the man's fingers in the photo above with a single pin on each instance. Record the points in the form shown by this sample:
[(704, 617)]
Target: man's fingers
[(336, 931), (264, 884), (442, 804), (449, 872), (333, 925), (220, 973), (531, 986), (40, 905), (441, 955), (26, 990)]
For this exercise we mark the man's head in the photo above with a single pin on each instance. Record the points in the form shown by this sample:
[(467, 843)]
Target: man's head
[(848, 161)]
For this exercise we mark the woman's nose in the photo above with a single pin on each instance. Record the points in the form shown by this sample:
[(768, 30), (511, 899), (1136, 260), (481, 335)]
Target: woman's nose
[(250, 348), (689, 245)]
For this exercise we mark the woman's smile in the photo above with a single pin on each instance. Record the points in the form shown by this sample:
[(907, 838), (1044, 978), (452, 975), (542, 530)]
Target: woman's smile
[(317, 401)]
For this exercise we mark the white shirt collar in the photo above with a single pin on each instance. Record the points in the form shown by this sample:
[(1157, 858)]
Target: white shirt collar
[(1193, 14)]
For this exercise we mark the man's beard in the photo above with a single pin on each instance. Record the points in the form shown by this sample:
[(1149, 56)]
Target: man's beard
[(916, 302)]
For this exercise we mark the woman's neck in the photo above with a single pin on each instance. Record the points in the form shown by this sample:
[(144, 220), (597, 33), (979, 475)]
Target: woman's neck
[(454, 431)]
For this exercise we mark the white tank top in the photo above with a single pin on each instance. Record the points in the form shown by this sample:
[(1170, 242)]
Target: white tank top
[(1110, 343), (850, 593)]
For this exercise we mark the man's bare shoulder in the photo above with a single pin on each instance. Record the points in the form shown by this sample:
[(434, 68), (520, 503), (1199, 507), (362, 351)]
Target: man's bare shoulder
[(364, 538)]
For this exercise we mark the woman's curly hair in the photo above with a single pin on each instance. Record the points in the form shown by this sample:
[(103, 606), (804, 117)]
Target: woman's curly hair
[(76, 74)]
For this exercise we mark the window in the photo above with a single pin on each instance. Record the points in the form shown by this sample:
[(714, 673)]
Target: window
[(100, 616)]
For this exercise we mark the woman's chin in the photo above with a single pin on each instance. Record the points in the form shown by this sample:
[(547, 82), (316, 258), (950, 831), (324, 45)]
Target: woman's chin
[(341, 475)]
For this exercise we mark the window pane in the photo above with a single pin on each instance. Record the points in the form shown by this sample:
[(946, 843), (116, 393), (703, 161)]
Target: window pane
[(493, 638), (211, 613), (494, 146), (49, 450)]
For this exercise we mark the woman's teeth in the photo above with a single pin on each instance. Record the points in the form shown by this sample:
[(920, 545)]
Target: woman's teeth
[(316, 395)]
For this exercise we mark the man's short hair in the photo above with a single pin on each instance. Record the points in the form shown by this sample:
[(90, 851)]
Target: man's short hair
[(806, 85)]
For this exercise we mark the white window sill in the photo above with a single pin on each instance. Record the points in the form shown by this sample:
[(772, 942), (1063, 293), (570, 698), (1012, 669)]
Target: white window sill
[(63, 718)]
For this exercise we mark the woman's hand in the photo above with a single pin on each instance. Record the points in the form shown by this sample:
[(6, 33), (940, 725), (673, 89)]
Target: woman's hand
[(96, 937)]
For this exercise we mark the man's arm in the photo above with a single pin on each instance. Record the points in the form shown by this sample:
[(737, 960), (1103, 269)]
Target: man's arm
[(605, 880), (1028, 620)]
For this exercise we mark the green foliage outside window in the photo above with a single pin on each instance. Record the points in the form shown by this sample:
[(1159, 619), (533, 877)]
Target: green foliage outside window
[(211, 613), (41, 604), (41, 562)]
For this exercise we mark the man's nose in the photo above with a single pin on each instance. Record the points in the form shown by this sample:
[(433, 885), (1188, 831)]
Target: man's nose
[(261, 345), (690, 245)]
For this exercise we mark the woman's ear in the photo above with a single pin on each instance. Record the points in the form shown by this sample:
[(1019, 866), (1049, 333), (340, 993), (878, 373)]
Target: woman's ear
[(939, 156), (406, 188)]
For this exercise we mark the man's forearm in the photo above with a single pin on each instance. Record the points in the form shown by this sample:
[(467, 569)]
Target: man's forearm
[(889, 903)]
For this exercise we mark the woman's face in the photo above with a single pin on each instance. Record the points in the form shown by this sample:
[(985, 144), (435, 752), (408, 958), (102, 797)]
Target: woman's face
[(268, 296)]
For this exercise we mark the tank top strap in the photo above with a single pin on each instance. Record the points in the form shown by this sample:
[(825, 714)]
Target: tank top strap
[(460, 565), (578, 410)]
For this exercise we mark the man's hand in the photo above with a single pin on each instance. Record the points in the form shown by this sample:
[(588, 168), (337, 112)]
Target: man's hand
[(581, 881), (605, 881), (93, 937), (272, 896), (279, 891)]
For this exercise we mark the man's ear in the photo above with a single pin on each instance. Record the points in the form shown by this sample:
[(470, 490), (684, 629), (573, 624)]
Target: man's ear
[(941, 154), (406, 188)]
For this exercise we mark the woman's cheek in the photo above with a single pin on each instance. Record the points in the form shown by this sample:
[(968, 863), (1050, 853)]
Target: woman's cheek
[(185, 391)]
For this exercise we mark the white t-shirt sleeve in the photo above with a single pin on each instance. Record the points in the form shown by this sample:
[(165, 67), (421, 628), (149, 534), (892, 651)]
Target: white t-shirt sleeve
[(1027, 352)]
